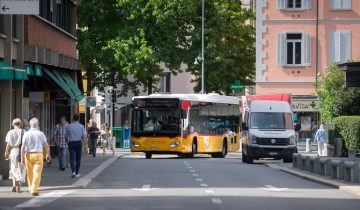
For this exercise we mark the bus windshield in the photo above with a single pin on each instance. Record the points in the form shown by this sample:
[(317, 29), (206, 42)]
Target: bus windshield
[(156, 121), (271, 120)]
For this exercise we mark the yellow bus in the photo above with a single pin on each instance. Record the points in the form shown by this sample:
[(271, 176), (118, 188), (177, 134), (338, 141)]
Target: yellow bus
[(185, 124)]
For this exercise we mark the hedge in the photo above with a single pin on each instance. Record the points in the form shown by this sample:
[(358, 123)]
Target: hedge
[(349, 128)]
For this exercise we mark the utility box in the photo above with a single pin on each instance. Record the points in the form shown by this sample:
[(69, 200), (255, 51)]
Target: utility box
[(117, 132)]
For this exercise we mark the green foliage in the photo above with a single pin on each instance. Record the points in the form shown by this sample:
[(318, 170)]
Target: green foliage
[(121, 38), (335, 98), (349, 128)]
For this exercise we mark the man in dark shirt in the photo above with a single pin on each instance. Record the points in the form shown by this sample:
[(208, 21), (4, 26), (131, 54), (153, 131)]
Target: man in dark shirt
[(93, 134)]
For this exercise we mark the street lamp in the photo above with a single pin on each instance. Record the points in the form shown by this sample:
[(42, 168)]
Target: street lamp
[(202, 47)]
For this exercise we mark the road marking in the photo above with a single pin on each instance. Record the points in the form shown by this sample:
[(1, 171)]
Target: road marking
[(145, 188), (189, 167), (273, 189), (203, 185), (195, 174), (209, 191), (199, 179), (192, 171), (216, 201), (44, 199)]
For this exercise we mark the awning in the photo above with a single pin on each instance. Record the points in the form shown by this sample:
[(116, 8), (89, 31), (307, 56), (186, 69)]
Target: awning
[(64, 80), (8, 72), (29, 69)]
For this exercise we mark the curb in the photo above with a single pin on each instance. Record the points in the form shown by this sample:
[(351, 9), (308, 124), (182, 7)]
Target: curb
[(352, 189)]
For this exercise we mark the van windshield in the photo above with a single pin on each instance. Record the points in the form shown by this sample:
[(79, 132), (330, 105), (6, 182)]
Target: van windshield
[(271, 120)]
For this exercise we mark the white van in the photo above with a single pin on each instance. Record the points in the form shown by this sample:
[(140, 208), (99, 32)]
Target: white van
[(268, 131)]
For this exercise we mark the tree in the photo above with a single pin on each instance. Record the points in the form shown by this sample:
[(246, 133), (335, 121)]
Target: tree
[(122, 38), (229, 46), (336, 99)]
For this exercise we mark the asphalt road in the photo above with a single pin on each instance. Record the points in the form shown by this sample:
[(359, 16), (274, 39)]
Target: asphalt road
[(167, 182)]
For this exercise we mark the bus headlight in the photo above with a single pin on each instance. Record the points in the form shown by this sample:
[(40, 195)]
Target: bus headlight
[(134, 144), (292, 140), (174, 144), (254, 140)]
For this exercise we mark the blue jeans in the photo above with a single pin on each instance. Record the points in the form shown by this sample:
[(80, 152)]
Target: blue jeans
[(62, 157), (75, 149), (92, 147)]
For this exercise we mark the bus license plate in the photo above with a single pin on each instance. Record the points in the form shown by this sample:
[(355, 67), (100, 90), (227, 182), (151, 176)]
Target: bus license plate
[(154, 149), (273, 153)]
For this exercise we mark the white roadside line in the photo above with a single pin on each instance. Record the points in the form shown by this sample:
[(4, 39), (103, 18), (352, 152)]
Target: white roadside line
[(209, 191), (44, 199)]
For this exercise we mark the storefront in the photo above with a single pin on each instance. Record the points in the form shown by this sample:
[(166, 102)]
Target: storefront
[(306, 113)]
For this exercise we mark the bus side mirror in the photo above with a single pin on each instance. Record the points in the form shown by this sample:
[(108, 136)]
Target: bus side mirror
[(244, 127), (183, 114)]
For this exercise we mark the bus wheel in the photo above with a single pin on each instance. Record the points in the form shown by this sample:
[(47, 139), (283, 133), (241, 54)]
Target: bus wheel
[(223, 152), (148, 155), (243, 157), (194, 147)]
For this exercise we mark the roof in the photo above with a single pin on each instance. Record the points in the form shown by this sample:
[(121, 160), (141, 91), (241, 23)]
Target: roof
[(214, 98)]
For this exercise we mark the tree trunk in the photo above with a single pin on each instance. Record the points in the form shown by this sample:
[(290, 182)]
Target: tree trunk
[(149, 86)]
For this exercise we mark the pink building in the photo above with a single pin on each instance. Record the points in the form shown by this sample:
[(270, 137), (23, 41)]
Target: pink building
[(296, 40)]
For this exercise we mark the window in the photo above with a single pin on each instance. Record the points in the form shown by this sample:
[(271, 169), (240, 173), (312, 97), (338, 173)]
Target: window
[(14, 23), (165, 82), (340, 4), (294, 49), (294, 4), (340, 46), (59, 12)]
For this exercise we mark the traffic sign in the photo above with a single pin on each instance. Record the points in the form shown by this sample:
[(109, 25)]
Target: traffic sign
[(236, 86), (90, 101), (19, 7)]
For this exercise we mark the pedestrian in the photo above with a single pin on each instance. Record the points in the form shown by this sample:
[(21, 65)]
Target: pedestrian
[(104, 134), (93, 135), (17, 171), (320, 139), (75, 135), (34, 141), (59, 137)]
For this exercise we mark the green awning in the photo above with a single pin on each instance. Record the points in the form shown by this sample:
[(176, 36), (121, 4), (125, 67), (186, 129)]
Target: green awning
[(38, 70), (20, 74), (66, 83), (8, 72), (29, 69)]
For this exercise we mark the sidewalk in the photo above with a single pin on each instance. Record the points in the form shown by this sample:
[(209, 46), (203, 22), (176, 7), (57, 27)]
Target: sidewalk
[(352, 188), (53, 178)]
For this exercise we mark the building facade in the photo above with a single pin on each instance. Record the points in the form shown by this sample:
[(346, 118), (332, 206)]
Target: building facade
[(295, 41), (41, 52)]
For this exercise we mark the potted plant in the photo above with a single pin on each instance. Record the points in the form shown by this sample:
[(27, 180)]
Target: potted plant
[(349, 127)]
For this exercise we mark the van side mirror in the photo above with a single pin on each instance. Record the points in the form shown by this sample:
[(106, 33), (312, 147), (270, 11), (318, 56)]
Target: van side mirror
[(244, 127), (183, 114)]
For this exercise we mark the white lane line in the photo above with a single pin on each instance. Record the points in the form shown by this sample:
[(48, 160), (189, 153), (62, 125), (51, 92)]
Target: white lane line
[(192, 171), (273, 189), (44, 199), (145, 188), (209, 191), (199, 179), (195, 174), (216, 201), (189, 167), (204, 185)]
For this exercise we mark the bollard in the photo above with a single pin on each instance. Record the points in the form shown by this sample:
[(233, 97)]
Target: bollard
[(304, 159), (317, 167), (325, 168), (296, 157), (351, 171), (308, 146), (312, 160), (337, 169)]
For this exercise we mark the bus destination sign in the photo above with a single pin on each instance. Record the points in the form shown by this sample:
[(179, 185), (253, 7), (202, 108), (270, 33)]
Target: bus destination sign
[(156, 103)]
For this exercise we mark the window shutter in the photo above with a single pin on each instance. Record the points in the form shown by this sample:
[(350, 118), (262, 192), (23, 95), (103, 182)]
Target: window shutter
[(346, 4), (281, 4), (336, 38), (281, 49), (345, 45), (306, 45), (306, 4)]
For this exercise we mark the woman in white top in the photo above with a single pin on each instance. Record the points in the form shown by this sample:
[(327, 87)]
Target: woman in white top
[(104, 134), (12, 152)]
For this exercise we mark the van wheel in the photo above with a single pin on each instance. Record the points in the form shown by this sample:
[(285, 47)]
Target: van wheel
[(243, 157), (287, 160), (148, 155), (249, 160)]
